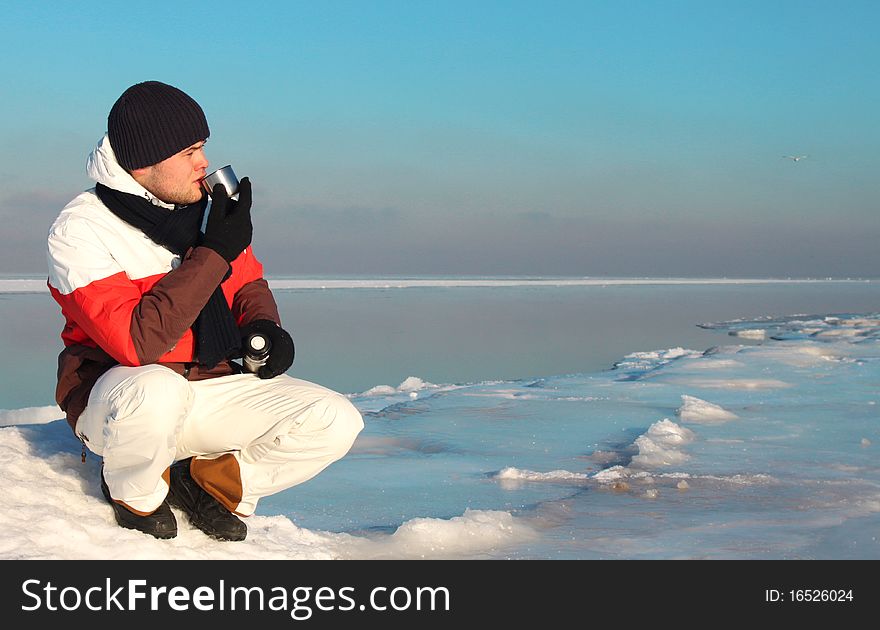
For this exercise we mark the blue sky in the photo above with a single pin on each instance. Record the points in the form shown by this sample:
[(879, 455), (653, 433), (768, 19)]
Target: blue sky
[(573, 138)]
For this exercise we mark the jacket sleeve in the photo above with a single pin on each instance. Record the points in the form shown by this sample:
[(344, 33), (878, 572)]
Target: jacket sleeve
[(133, 325), (254, 300)]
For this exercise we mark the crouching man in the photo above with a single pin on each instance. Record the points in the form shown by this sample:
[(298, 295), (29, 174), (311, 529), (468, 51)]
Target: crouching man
[(155, 306)]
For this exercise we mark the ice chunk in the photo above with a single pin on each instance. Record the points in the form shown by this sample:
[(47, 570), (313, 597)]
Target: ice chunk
[(696, 410), (659, 446)]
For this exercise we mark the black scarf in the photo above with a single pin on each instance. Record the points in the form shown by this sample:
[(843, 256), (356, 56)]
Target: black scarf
[(215, 331)]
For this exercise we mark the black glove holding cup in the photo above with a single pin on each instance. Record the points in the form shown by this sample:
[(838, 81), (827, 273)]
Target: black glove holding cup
[(281, 350), (229, 228)]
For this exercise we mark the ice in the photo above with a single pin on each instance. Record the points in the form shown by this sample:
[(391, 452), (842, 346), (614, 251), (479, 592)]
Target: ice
[(514, 474), (35, 285), (661, 445), (751, 333), (23, 285), (733, 383), (639, 364), (762, 450), (694, 409), (30, 415), (461, 536), (410, 385)]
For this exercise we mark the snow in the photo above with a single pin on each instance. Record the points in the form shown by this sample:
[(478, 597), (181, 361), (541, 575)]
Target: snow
[(55, 511)]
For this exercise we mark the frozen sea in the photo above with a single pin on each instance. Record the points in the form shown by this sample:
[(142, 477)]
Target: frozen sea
[(521, 418)]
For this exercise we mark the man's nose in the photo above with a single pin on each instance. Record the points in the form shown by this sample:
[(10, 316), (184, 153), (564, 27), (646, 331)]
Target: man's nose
[(201, 160)]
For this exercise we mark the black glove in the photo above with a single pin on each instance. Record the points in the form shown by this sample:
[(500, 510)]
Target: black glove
[(229, 228), (281, 352)]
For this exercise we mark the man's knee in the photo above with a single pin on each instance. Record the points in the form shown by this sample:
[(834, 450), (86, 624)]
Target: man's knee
[(154, 392), (345, 422)]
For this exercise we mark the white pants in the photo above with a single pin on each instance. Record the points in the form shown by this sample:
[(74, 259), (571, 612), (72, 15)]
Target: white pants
[(249, 437)]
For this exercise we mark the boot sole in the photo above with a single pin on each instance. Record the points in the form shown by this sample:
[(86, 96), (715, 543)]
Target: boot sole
[(160, 535)]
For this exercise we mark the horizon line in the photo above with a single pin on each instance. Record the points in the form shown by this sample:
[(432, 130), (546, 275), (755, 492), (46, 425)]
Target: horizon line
[(24, 284)]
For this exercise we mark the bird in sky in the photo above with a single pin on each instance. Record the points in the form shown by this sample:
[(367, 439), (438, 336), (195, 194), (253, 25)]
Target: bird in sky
[(796, 158)]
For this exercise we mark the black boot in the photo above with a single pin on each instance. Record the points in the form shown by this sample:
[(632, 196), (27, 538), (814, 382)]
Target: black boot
[(160, 524), (204, 511)]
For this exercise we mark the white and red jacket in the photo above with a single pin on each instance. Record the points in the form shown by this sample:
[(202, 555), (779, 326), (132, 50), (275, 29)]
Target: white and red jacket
[(127, 300)]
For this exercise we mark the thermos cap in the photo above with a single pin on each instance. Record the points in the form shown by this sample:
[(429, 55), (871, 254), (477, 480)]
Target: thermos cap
[(257, 342)]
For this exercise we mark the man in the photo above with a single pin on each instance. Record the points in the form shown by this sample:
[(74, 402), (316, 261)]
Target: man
[(154, 310)]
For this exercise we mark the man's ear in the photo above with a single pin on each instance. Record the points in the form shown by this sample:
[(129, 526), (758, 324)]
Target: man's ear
[(140, 174)]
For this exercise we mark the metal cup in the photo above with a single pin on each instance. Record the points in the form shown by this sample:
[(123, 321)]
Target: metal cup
[(225, 176)]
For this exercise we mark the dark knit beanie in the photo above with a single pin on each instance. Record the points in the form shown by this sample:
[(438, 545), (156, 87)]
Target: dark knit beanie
[(152, 121)]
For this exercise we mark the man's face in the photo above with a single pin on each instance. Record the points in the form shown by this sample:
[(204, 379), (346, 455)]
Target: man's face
[(176, 179)]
